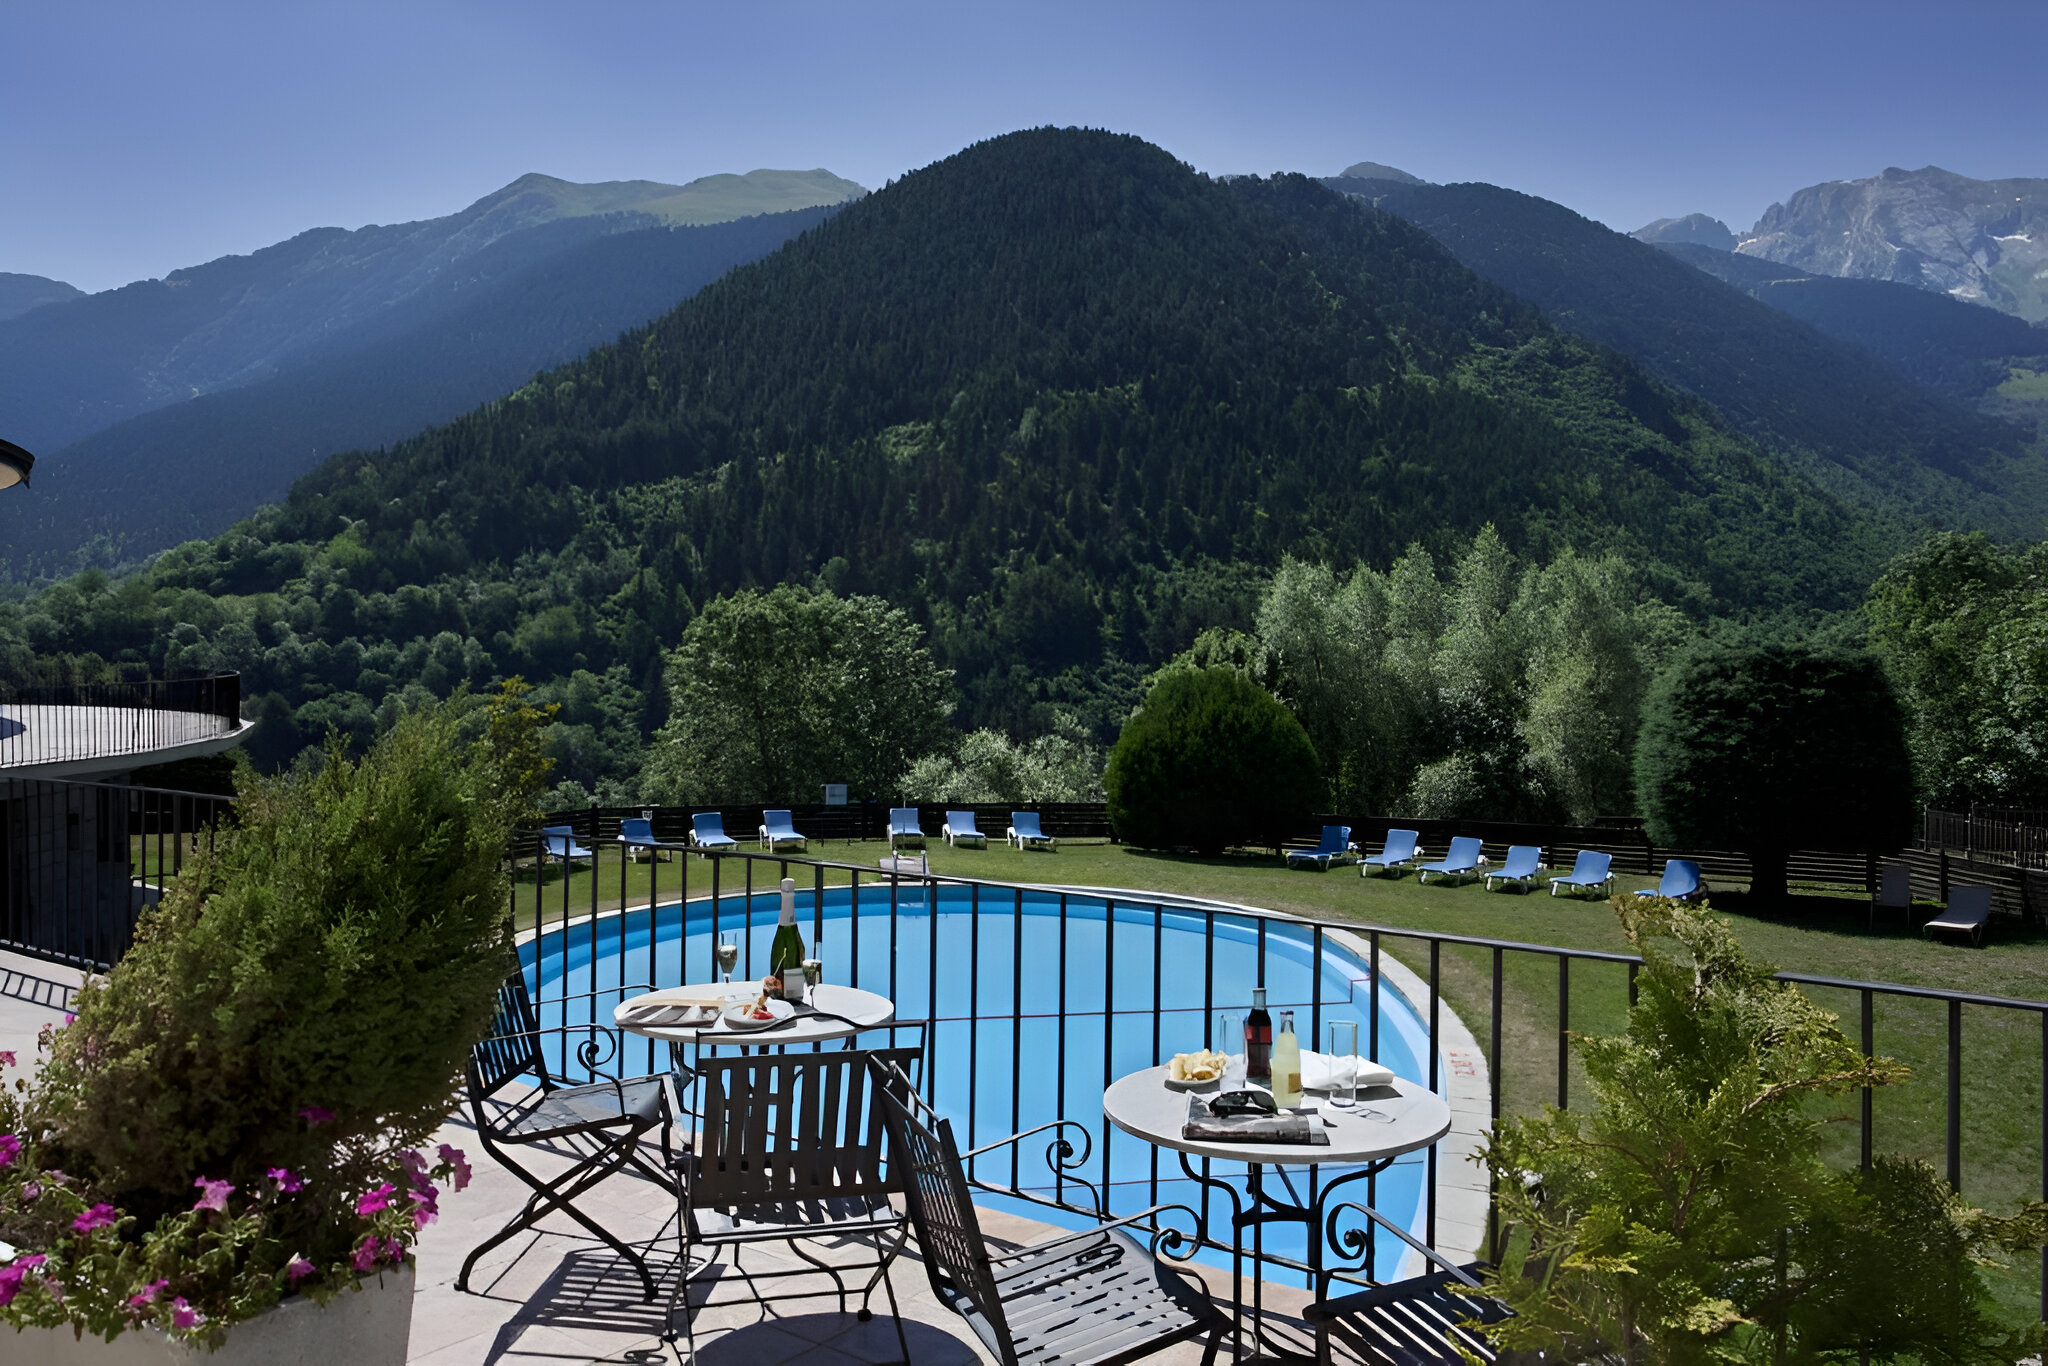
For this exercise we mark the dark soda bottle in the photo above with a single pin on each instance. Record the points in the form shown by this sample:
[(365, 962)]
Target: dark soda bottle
[(1258, 1041)]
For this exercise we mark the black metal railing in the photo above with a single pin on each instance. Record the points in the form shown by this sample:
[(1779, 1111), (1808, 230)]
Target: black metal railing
[(68, 722), (1516, 996), (80, 862), (2017, 838)]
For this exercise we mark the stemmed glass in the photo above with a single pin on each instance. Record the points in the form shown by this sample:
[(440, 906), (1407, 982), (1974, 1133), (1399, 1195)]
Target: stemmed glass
[(728, 954)]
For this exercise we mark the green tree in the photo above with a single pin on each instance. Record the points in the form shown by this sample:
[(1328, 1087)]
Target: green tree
[(772, 695), (1210, 760), (1688, 1216), (1774, 746), (988, 766)]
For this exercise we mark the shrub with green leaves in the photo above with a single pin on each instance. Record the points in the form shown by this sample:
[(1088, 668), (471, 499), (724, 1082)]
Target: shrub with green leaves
[(287, 1032), (1688, 1217), (1210, 760)]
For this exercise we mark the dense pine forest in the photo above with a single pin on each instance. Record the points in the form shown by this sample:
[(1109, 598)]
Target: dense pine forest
[(1061, 399)]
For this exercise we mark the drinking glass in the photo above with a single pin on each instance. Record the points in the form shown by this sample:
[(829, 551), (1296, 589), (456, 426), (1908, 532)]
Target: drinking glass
[(1344, 1063), (728, 954), (1230, 1043), (814, 973)]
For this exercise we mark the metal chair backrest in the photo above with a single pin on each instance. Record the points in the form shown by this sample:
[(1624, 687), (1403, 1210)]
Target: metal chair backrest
[(1025, 823), (1969, 903), (1521, 861), (511, 1047), (1592, 865), (636, 830), (1336, 839), (708, 825), (961, 823), (779, 823), (1895, 886), (1464, 851), (793, 1127), (903, 821), (1681, 878), (942, 1211), (1400, 845)]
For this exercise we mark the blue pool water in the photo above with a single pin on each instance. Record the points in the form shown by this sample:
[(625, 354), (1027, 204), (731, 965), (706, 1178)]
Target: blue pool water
[(1036, 1003)]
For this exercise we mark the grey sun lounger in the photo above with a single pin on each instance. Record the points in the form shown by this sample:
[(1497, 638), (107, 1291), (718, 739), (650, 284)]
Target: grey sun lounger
[(1336, 844), (1592, 869), (1681, 880), (777, 830), (707, 831), (1399, 849), (960, 827), (903, 827), (1968, 912), (1461, 859), (1518, 867)]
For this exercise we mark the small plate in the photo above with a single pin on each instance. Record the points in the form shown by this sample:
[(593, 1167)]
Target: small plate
[(1208, 1085), (737, 1019)]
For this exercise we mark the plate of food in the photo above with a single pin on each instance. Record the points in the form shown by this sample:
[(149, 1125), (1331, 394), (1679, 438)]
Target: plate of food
[(760, 1013), (1195, 1071)]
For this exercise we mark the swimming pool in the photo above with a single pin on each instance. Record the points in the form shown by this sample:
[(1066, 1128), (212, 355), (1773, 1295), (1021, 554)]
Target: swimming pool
[(1037, 999)]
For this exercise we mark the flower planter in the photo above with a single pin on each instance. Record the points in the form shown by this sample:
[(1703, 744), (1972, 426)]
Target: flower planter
[(369, 1327)]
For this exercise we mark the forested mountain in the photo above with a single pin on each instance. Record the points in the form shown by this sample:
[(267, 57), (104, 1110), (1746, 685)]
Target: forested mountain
[(1985, 241), (74, 369), (522, 305), (1831, 410), (1061, 397), (1697, 229), (1938, 340), (20, 293)]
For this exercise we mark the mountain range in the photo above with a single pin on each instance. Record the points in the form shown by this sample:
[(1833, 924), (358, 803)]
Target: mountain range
[(20, 293)]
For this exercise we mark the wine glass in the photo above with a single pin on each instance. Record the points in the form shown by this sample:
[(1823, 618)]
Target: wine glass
[(728, 954)]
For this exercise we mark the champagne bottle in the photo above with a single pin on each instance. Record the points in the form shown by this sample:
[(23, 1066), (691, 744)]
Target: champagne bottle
[(1287, 1062), (1258, 1041), (786, 954)]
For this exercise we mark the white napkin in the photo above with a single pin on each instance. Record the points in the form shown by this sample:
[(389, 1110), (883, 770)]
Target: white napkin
[(1322, 1071)]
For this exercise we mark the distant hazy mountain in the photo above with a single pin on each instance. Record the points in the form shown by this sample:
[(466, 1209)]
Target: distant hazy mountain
[(1373, 170), (20, 293), (76, 368), (1696, 228), (1981, 240), (1830, 409), (1938, 340), (194, 468)]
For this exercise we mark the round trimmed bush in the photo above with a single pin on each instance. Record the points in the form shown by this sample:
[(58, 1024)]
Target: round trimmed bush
[(1767, 748), (1210, 760)]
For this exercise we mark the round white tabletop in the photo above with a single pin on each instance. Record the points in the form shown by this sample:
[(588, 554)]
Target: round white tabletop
[(1380, 1125), (855, 1008)]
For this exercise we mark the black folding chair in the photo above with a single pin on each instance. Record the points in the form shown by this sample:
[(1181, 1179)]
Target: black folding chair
[(1097, 1296), (1416, 1322), (600, 1123)]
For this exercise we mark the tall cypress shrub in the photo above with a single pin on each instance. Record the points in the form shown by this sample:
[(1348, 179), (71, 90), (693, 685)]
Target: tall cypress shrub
[(1210, 760)]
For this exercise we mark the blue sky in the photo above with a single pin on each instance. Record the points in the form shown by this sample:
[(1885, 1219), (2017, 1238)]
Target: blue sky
[(139, 137)]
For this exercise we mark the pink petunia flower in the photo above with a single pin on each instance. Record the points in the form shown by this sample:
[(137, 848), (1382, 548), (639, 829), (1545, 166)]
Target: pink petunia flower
[(394, 1252), (412, 1162), (184, 1315), (313, 1114), (297, 1269), (7, 1058), (10, 1148), (369, 1202), (286, 1182), (10, 1276), (31, 1191), (366, 1256), (99, 1216), (215, 1195), (147, 1295), (454, 1157)]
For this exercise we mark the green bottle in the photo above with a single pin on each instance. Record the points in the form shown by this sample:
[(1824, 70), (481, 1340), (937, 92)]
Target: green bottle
[(786, 954)]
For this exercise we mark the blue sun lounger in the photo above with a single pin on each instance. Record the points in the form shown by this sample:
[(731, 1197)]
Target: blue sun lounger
[(1336, 844), (707, 831), (1461, 859), (1593, 869), (637, 833), (903, 827), (1681, 880), (776, 831), (559, 842), (1399, 849), (960, 827), (1025, 834), (1518, 867)]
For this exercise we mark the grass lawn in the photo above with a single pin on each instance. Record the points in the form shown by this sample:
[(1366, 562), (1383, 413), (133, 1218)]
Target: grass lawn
[(1823, 932)]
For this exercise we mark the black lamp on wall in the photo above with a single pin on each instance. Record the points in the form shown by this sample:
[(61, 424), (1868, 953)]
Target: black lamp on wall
[(15, 463)]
